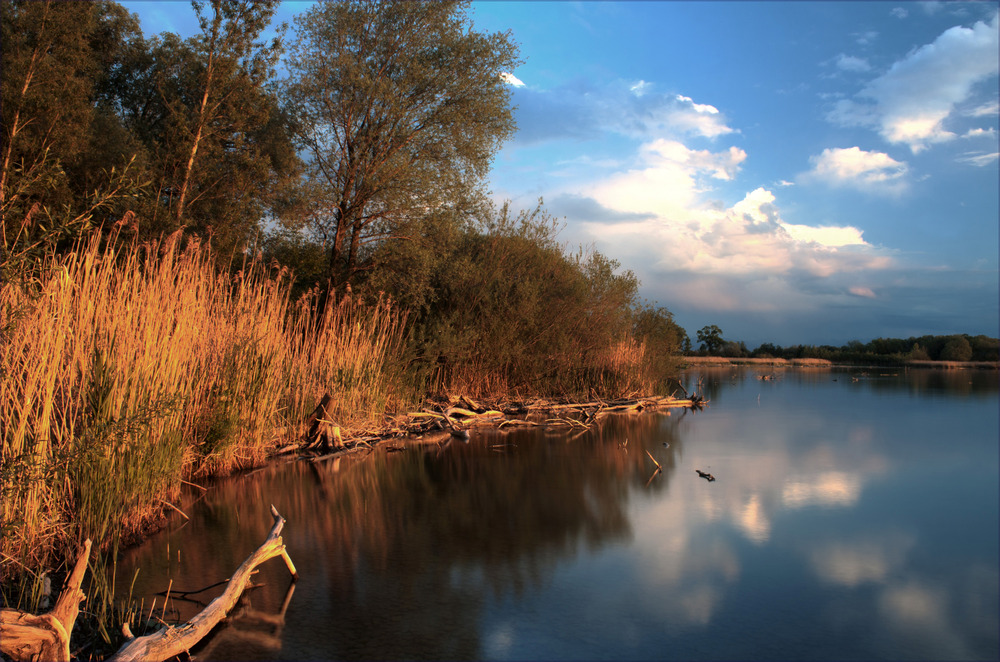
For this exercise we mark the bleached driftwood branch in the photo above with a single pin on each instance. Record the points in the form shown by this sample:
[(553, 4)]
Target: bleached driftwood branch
[(25, 637), (45, 637), (174, 640)]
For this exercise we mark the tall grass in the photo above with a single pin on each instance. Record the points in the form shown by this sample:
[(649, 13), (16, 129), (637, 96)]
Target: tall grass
[(126, 368)]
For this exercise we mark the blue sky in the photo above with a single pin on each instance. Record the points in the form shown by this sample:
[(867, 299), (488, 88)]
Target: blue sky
[(793, 172)]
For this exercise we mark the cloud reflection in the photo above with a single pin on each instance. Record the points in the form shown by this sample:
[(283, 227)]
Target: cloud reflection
[(854, 563), (832, 488)]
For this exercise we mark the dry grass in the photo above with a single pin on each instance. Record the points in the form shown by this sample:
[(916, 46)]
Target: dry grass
[(124, 370)]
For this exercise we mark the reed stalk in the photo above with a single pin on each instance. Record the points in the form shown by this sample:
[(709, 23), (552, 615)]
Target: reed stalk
[(125, 369)]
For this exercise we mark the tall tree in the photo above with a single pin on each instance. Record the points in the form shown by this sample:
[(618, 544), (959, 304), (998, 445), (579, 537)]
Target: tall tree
[(710, 338), (65, 161), (47, 73), (400, 107), (232, 59), (211, 127)]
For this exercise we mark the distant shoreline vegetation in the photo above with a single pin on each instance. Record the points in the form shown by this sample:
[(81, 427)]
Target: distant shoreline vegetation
[(951, 350), (700, 361)]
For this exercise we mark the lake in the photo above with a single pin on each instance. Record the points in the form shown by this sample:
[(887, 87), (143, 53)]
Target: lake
[(853, 515)]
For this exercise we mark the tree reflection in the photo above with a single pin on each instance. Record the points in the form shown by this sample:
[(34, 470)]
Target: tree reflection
[(398, 551)]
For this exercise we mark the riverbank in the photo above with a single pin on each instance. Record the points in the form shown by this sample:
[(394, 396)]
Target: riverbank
[(132, 372), (699, 361)]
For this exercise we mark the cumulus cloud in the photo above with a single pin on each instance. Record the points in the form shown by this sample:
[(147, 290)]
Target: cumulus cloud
[(851, 63), (669, 179), (899, 12), (583, 110), (748, 240), (911, 102), (860, 291), (857, 168)]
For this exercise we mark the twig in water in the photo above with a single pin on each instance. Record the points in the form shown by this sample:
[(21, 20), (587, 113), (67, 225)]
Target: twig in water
[(167, 503)]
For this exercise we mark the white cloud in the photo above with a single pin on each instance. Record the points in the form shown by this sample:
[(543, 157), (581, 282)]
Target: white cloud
[(851, 63), (979, 159), (988, 109), (981, 133), (511, 79), (865, 38), (825, 235), (910, 103), (670, 180), (748, 241), (634, 109), (640, 88), (857, 168), (899, 12), (860, 291)]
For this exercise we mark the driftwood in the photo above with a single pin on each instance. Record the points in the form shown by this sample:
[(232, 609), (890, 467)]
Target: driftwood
[(323, 432), (455, 417), (25, 637), (45, 637), (174, 640)]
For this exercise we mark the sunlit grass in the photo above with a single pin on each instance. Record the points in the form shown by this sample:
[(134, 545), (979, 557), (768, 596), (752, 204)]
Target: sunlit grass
[(127, 368)]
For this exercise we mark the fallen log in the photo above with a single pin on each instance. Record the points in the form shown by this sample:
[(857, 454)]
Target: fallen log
[(45, 637), (174, 640), (27, 637)]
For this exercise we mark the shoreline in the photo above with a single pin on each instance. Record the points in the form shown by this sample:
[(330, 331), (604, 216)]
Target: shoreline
[(687, 362)]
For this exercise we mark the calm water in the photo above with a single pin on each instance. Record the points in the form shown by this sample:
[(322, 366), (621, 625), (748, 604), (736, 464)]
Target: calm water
[(854, 516)]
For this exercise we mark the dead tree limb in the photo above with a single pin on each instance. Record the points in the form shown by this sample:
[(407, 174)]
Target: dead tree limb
[(174, 640), (46, 637)]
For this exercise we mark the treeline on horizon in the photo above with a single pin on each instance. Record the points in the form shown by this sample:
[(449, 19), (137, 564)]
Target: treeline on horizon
[(954, 347), (197, 248)]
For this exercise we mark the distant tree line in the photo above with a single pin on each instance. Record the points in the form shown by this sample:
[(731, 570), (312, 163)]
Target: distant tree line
[(958, 347), (360, 169)]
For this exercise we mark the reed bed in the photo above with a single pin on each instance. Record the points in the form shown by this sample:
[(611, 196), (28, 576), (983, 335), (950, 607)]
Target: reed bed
[(126, 368)]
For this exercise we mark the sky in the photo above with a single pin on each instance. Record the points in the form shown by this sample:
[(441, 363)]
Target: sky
[(792, 172)]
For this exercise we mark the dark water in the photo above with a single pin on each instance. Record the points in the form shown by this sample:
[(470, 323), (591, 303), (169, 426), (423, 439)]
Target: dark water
[(853, 516)]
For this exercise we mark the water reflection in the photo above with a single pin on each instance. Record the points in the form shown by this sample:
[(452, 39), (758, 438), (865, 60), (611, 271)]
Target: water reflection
[(847, 520)]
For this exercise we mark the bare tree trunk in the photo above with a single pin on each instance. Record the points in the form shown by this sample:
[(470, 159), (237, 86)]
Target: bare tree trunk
[(202, 116), (15, 128)]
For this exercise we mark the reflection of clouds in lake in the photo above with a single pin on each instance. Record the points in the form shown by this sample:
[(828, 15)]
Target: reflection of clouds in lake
[(497, 642), (698, 603), (855, 563), (922, 613), (830, 488), (692, 570), (754, 522)]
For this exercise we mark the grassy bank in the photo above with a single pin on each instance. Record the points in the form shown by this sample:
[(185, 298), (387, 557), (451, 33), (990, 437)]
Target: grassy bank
[(127, 369)]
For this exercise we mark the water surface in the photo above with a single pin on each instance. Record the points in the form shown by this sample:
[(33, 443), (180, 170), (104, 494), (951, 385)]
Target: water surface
[(854, 515)]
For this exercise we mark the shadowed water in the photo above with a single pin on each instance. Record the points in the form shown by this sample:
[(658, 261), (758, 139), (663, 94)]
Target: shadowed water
[(854, 516)]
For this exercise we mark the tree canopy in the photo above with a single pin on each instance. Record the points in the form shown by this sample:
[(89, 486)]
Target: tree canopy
[(399, 107)]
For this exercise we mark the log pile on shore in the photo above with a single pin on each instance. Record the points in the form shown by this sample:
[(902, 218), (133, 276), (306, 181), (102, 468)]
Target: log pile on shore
[(455, 416)]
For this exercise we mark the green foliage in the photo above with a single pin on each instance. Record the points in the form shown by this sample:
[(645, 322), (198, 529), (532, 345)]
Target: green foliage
[(400, 107), (711, 340), (663, 338), (957, 349), (893, 351), (503, 300)]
